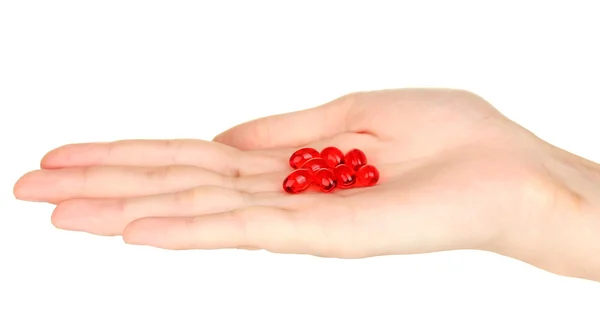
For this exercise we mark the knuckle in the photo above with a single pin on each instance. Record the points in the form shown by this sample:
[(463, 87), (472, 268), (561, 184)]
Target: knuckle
[(241, 220), (191, 223), (111, 147), (86, 178), (188, 198), (123, 207), (159, 174), (236, 159), (245, 198), (175, 147), (233, 181)]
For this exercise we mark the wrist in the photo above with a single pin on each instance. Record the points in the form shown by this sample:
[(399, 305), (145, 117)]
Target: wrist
[(561, 232)]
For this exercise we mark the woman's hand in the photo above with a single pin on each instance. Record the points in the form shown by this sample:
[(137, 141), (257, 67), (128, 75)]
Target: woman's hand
[(455, 174)]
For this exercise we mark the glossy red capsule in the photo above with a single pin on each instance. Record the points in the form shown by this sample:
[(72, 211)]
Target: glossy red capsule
[(344, 176), (367, 175), (314, 164), (300, 156), (333, 156), (355, 158), (298, 181), (324, 179)]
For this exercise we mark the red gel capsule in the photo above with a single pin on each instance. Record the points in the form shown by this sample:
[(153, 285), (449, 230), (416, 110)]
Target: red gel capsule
[(355, 158), (314, 164), (300, 156), (298, 181), (324, 179), (344, 176), (367, 175), (332, 156)]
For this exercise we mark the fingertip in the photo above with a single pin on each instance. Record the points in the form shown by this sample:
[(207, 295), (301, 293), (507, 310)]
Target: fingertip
[(129, 238), (237, 137), (139, 231), (219, 138), (222, 139), (37, 186), (58, 216), (74, 215), (162, 232), (20, 189), (130, 233), (72, 155), (49, 159), (58, 157)]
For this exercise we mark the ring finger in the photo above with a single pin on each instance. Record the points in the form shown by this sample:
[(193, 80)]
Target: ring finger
[(108, 217)]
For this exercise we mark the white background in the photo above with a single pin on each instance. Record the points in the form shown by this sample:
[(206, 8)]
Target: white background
[(79, 71)]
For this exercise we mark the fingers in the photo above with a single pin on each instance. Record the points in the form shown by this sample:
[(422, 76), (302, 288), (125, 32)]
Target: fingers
[(54, 186), (109, 217), (209, 155), (290, 130), (269, 228)]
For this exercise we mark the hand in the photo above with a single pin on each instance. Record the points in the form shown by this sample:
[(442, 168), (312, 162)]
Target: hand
[(455, 174)]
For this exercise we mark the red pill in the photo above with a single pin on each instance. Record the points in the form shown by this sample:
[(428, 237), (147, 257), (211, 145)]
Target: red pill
[(344, 176), (367, 175), (355, 158), (324, 179), (314, 164), (332, 156), (300, 156), (298, 181)]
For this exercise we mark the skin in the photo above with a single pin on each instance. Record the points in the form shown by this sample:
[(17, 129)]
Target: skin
[(455, 174)]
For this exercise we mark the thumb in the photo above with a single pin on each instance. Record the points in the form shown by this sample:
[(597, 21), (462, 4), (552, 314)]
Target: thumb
[(290, 130)]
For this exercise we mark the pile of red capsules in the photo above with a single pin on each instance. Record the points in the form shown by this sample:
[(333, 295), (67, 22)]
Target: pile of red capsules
[(328, 170)]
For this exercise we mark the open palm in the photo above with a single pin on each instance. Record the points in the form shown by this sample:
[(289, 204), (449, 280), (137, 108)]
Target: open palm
[(453, 172)]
